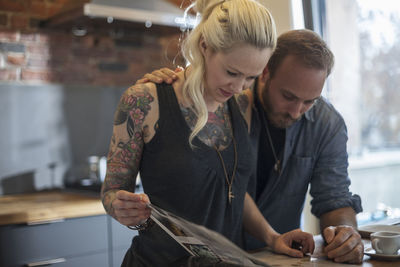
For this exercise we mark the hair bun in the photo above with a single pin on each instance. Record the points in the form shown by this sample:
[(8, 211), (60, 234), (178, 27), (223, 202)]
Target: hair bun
[(203, 5)]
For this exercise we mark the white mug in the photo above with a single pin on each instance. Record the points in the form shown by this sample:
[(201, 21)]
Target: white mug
[(386, 242)]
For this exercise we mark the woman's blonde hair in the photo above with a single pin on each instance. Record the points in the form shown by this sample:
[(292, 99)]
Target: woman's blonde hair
[(223, 25)]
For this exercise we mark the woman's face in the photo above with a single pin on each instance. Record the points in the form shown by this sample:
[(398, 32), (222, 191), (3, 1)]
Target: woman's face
[(231, 72)]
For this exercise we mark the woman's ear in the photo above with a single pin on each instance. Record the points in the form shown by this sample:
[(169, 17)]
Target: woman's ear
[(203, 46), (265, 74)]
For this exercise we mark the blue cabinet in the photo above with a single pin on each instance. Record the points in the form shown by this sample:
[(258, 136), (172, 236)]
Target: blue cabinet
[(87, 241)]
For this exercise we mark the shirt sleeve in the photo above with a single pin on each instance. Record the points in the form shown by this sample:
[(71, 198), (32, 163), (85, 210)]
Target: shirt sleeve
[(330, 181)]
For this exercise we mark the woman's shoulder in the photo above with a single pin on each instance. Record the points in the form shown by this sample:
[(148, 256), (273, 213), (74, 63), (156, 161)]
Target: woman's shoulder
[(142, 89), (141, 101), (245, 102)]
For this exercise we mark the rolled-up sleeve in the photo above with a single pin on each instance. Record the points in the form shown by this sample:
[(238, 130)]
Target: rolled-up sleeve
[(330, 181)]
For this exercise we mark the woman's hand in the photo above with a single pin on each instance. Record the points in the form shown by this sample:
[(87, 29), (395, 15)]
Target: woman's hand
[(162, 75), (285, 243), (131, 209)]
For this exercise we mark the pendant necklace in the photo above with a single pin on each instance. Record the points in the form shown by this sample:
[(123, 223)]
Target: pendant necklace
[(229, 183), (277, 165)]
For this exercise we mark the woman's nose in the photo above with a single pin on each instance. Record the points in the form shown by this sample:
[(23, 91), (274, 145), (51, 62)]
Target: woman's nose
[(238, 86)]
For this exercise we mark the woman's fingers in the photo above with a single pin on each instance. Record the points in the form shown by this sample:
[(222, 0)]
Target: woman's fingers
[(131, 208)]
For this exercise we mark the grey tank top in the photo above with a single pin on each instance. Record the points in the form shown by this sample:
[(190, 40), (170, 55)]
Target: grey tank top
[(191, 182)]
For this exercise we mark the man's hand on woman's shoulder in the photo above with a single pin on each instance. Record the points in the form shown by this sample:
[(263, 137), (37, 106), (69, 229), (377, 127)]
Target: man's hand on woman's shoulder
[(161, 75)]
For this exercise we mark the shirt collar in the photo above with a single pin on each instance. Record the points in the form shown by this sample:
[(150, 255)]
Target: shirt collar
[(309, 115)]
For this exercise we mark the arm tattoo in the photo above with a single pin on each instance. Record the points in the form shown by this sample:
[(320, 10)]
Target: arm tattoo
[(126, 146)]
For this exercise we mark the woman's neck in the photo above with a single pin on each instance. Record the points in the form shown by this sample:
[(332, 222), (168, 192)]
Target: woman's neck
[(211, 104)]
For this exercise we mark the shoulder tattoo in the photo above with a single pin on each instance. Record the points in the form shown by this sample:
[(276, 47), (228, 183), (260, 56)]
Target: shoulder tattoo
[(243, 102)]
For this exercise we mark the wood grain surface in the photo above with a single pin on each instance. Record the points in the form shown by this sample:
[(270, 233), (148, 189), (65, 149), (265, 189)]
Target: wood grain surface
[(318, 258), (47, 206)]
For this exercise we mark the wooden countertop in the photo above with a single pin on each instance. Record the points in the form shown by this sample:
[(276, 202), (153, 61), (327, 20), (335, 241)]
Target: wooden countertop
[(318, 258), (48, 206)]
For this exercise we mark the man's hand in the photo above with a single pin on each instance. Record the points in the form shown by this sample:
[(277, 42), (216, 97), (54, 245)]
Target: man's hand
[(131, 209), (158, 76), (285, 243), (344, 244)]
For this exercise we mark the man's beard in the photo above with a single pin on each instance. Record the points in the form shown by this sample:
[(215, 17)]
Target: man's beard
[(278, 120)]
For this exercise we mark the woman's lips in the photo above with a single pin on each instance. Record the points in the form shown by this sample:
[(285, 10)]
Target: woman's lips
[(225, 93)]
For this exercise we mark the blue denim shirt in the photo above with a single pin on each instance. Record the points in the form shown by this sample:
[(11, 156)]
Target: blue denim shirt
[(314, 153)]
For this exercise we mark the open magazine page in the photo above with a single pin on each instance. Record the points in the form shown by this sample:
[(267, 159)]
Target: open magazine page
[(201, 242)]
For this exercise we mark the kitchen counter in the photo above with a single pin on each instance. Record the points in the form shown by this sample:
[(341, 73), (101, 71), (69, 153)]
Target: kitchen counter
[(48, 206), (318, 258)]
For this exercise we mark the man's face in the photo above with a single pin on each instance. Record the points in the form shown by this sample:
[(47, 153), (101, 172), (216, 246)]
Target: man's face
[(291, 92)]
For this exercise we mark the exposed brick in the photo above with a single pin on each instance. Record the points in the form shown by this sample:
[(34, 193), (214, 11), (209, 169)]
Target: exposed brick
[(19, 21), (14, 6), (38, 9), (38, 62), (50, 56), (43, 37), (38, 49), (28, 37), (83, 52), (3, 20), (131, 43), (76, 77), (16, 59), (55, 38), (112, 67), (131, 55), (8, 74), (105, 43), (53, 9), (8, 35), (36, 75), (34, 23), (12, 47)]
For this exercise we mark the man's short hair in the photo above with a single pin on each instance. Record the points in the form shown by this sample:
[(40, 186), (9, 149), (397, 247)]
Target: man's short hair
[(305, 45)]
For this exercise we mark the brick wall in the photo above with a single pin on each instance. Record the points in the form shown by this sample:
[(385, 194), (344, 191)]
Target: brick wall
[(31, 54)]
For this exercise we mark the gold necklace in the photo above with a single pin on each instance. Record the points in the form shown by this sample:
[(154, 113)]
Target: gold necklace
[(229, 183)]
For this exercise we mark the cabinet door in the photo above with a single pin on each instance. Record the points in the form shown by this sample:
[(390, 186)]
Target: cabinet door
[(98, 260), (118, 256), (73, 238), (121, 237)]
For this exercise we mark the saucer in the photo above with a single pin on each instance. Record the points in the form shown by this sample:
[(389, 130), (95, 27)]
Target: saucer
[(377, 256)]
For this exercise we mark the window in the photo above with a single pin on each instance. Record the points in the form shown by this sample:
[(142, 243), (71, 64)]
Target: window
[(364, 35)]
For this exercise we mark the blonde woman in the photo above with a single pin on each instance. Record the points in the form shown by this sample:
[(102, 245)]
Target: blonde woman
[(190, 142)]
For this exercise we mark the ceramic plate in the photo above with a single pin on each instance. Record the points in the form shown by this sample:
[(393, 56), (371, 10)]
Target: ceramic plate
[(372, 253)]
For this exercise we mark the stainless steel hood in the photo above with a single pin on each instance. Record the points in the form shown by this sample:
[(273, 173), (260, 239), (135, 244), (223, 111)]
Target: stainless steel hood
[(159, 12)]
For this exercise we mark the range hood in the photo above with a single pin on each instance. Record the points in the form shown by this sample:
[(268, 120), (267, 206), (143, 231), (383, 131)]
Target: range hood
[(158, 12)]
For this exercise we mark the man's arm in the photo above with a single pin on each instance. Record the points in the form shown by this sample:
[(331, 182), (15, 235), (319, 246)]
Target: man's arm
[(339, 229), (332, 200), (255, 224), (342, 216)]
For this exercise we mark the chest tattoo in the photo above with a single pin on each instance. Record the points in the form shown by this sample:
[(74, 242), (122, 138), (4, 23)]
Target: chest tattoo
[(218, 128)]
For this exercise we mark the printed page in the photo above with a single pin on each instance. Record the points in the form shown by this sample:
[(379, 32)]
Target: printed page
[(201, 242)]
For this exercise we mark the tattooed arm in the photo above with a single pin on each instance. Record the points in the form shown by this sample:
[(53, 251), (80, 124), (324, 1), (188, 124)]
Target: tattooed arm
[(136, 112)]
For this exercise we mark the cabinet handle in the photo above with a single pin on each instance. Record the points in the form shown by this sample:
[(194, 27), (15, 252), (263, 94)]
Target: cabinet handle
[(46, 221), (44, 263)]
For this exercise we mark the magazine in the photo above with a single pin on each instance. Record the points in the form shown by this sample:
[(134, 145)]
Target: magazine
[(201, 243)]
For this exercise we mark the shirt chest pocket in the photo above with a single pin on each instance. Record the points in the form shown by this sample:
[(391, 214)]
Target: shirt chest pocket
[(297, 175)]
